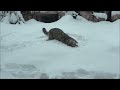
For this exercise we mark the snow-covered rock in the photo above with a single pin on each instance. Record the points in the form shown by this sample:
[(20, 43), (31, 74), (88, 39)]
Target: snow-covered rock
[(115, 17), (100, 15), (13, 17), (115, 12)]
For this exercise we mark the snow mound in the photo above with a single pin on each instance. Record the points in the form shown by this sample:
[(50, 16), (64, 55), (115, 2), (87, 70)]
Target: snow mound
[(32, 21), (13, 17)]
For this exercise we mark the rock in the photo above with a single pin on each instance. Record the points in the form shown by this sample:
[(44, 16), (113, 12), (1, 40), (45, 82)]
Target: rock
[(27, 15), (86, 14), (61, 14), (89, 16), (101, 19), (115, 17), (43, 16), (44, 76), (93, 18), (48, 17)]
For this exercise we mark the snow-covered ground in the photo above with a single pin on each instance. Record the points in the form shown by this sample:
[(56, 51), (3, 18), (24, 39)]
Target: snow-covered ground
[(25, 53)]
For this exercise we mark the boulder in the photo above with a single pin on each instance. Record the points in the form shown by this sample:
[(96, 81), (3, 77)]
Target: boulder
[(115, 17), (61, 14), (27, 15), (43, 16), (49, 17)]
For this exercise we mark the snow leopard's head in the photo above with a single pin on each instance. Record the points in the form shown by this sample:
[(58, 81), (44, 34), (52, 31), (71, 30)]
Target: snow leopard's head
[(72, 42)]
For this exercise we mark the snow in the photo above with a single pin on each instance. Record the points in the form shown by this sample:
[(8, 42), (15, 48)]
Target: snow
[(20, 16), (6, 19), (25, 53), (13, 18)]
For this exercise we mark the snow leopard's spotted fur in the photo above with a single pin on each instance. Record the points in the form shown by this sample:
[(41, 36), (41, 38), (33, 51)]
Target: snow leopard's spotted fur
[(58, 34)]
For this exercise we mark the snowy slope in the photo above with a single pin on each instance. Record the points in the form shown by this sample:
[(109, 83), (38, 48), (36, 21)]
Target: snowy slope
[(25, 53)]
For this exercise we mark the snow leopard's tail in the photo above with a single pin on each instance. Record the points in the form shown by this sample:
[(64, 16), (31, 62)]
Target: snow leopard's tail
[(45, 31)]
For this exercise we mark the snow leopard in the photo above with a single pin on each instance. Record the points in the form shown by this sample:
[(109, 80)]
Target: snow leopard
[(58, 34)]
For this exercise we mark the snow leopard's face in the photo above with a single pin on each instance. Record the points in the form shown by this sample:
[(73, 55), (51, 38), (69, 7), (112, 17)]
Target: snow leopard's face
[(73, 43)]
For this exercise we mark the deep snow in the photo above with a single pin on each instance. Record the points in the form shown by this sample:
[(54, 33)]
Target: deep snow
[(25, 53)]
